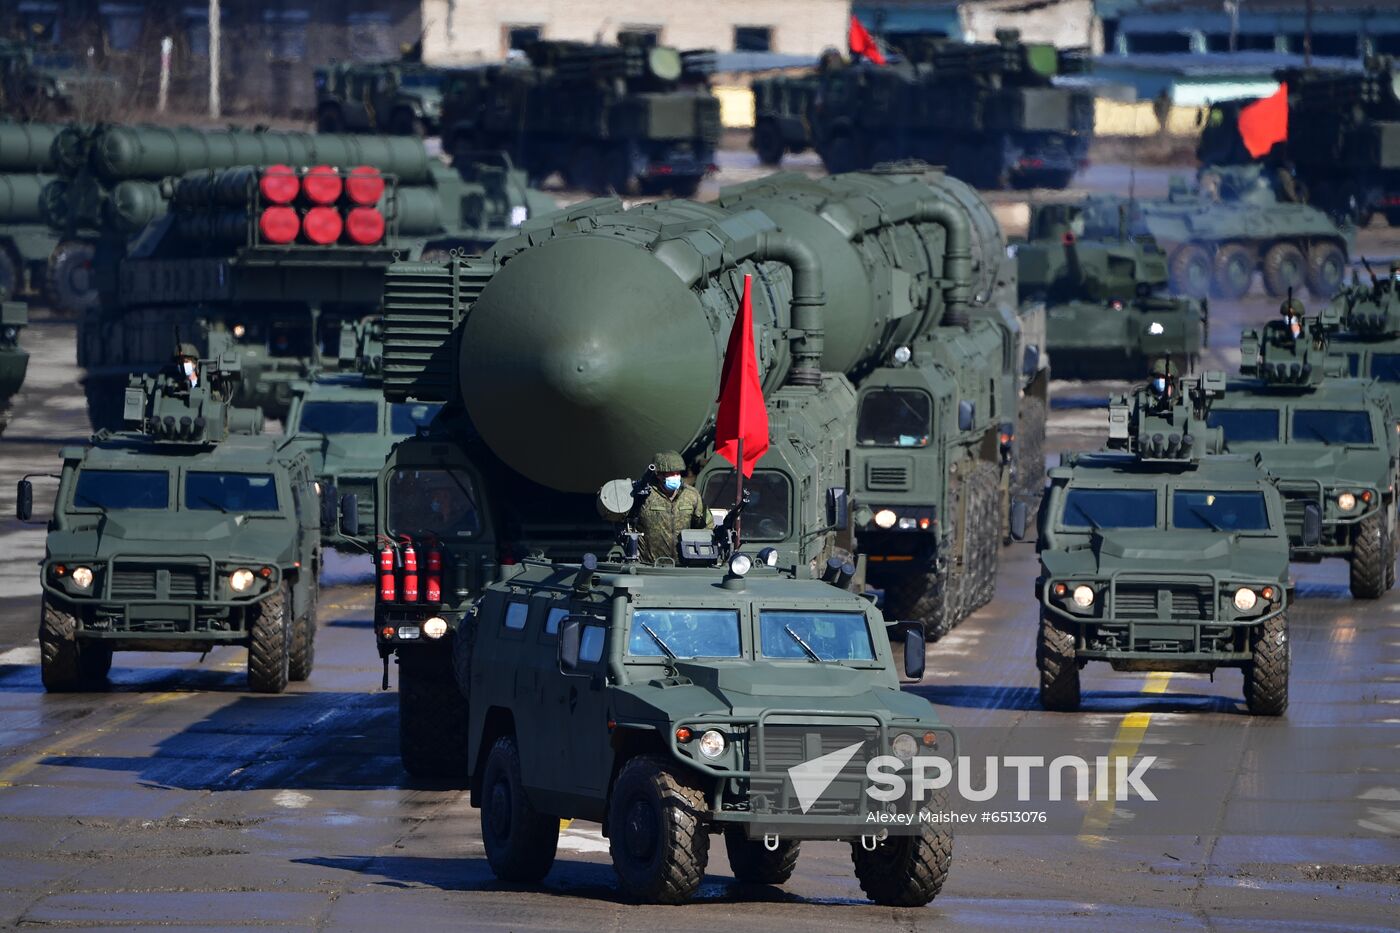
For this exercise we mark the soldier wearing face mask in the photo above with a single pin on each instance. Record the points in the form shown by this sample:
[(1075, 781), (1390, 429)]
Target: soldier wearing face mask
[(186, 365), (671, 507)]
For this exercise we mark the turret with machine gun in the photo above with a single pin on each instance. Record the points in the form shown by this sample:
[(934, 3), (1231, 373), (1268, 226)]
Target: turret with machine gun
[(1292, 350), (190, 403), (620, 501), (1164, 421)]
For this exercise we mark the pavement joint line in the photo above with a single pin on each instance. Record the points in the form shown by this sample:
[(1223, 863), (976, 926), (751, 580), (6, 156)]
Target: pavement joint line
[(1126, 742), (11, 775)]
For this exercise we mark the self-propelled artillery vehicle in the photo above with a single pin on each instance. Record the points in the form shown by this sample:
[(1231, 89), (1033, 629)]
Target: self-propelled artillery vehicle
[(187, 531), (14, 360), (1160, 554), (26, 242), (906, 403), (1108, 313), (1326, 439)]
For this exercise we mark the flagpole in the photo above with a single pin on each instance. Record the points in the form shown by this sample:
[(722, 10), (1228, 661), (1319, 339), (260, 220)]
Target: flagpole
[(739, 492)]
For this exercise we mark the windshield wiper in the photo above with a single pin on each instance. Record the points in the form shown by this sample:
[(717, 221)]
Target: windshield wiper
[(1205, 518), (1086, 513), (805, 647), (657, 638), (212, 504), (1317, 432)]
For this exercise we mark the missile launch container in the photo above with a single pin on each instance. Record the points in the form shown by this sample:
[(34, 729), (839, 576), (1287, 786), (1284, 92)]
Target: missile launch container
[(14, 361)]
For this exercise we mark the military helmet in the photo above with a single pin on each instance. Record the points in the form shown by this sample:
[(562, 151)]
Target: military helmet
[(1395, 268), (1292, 306), (1164, 369), (668, 461), (186, 350)]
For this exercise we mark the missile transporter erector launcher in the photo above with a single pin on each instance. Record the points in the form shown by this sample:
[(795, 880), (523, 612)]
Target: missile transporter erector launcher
[(26, 242), (14, 361)]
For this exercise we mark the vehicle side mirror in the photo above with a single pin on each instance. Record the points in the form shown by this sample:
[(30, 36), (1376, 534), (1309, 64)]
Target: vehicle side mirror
[(967, 411), (838, 507), (1019, 514), (570, 637), (24, 500), (1312, 525), (330, 498), (914, 651), (350, 515)]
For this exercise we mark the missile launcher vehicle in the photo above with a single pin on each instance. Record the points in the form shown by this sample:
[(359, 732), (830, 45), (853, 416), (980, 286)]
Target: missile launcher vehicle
[(14, 361), (26, 242), (188, 530), (1161, 554)]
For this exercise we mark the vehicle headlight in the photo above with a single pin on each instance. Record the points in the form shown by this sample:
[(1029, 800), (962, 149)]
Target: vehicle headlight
[(886, 518), (1245, 599), (1346, 502), (1083, 596), (711, 744), (240, 579), (905, 746), (82, 577), (436, 627), (740, 564)]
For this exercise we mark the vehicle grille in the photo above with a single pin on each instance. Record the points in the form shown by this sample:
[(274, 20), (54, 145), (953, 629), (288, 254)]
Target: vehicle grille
[(787, 746), (143, 581), (1139, 601), (130, 583), (890, 478)]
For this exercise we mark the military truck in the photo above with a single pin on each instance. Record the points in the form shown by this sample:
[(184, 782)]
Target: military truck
[(989, 112), (1108, 313), (1231, 225), (187, 531), (1160, 554), (402, 97), (670, 704), (1368, 339), (35, 86), (14, 361), (626, 118), (906, 401), (1328, 442), (26, 242)]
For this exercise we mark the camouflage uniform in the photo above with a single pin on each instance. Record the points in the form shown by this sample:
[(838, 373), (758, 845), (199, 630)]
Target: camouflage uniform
[(663, 517)]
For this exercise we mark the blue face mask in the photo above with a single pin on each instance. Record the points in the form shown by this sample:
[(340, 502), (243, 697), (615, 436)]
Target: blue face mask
[(672, 483)]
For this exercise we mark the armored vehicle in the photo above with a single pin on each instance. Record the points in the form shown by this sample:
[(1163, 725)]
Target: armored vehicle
[(1217, 235), (906, 398), (402, 97), (26, 242), (1368, 340), (1160, 554), (675, 703), (989, 112), (187, 531), (1326, 440), (1108, 313), (14, 361), (627, 118), (35, 86)]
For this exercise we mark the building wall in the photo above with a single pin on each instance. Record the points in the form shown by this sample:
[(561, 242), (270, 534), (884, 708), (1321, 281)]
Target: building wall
[(1066, 23), (475, 30)]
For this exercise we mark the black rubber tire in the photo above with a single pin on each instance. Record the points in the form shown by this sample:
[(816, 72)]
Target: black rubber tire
[(59, 665), (1327, 267), (843, 154), (269, 643), (1391, 540), (585, 170), (1030, 451), (1059, 669), (983, 545), (657, 832), (753, 863), (1266, 673), (433, 718), (302, 653), (1369, 549), (330, 119), (685, 186), (10, 277), (520, 842), (768, 143), (905, 871), (1284, 268), (1234, 271), (1190, 271), (68, 277), (94, 661), (929, 598)]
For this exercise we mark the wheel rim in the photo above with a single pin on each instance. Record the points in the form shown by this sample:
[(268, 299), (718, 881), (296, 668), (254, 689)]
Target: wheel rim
[(498, 822), (1198, 276), (1236, 276), (640, 830)]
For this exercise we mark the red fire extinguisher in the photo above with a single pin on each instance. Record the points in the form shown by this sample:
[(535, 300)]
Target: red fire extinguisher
[(386, 572), (410, 572), (433, 585)]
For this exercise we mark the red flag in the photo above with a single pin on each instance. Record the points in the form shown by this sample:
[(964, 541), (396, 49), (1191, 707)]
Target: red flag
[(862, 43), (742, 411), (1265, 122)]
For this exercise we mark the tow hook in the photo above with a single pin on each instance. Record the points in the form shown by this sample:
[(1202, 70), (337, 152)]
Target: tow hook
[(868, 843), (770, 842)]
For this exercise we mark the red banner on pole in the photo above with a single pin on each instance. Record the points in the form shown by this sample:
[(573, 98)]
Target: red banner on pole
[(862, 43), (1265, 122), (743, 414)]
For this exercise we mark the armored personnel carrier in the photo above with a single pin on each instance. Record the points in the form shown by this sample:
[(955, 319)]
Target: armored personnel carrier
[(1108, 313), (14, 361), (623, 118), (186, 531), (1159, 554), (905, 397), (1368, 338), (1232, 225), (1328, 442), (26, 242), (989, 112), (402, 97)]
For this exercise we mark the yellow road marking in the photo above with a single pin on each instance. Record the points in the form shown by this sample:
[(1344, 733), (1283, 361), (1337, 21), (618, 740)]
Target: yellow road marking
[(64, 745), (565, 824), (1125, 746)]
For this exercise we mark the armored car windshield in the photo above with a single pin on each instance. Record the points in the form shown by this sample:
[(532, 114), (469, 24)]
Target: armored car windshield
[(1329, 426), (1385, 367), (1233, 510), (815, 636), (684, 633), (1110, 508), (406, 418), (432, 503), (231, 492), (114, 490), (767, 516), (335, 418), (1245, 425), (895, 418)]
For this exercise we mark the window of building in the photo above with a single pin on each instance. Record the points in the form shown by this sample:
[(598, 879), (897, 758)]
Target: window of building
[(753, 38), (645, 36), (40, 20), (1334, 44), (286, 34), (1244, 42), (370, 36), (516, 38), (1388, 44), (123, 23), (1159, 42)]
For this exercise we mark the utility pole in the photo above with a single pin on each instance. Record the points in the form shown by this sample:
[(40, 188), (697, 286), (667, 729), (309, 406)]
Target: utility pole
[(215, 107), (1233, 8)]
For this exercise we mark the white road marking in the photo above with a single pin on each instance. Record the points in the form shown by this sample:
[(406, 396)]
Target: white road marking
[(582, 840), (27, 654), (291, 799)]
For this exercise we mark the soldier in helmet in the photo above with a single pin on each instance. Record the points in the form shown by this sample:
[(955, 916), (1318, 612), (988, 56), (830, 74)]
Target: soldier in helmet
[(671, 507), (1293, 311), (1163, 384), (185, 365), (1395, 275)]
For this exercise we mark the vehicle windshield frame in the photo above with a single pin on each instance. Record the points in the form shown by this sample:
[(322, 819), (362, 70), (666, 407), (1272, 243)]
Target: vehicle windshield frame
[(1277, 412), (681, 643), (758, 509), (188, 500), (798, 652), (1222, 489), (1102, 512), (892, 394), (396, 407), (462, 481), (72, 498), (318, 404)]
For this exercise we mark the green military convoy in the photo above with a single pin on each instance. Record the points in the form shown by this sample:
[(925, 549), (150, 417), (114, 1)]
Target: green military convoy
[(14, 361)]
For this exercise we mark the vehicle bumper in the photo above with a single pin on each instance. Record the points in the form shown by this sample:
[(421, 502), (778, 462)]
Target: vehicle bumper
[(400, 625)]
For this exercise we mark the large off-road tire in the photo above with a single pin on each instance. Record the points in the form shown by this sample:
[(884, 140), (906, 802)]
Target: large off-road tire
[(843, 154), (685, 186), (94, 661), (68, 282), (657, 834), (1266, 673), (330, 119), (929, 598), (269, 643), (1030, 451), (1234, 271), (1391, 539), (10, 276), (1190, 271), (768, 143), (303, 649), (753, 863), (1284, 269), (1370, 547), (59, 665), (1059, 669), (520, 841), (905, 871), (1327, 267), (432, 716), (984, 531)]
